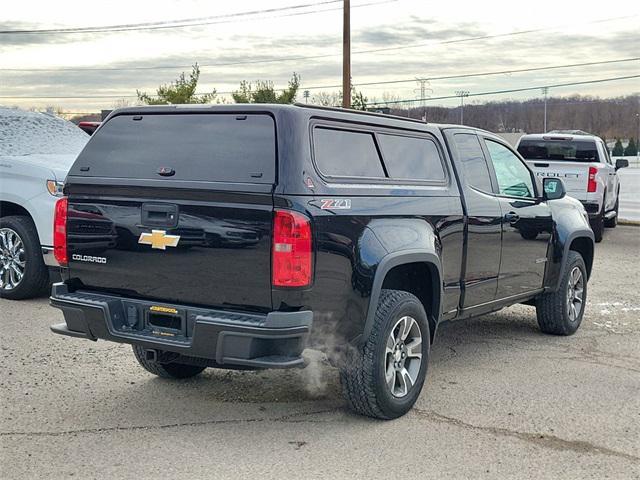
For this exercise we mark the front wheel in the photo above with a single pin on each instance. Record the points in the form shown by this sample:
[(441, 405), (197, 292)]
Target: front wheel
[(23, 273), (383, 378), (165, 370), (561, 312)]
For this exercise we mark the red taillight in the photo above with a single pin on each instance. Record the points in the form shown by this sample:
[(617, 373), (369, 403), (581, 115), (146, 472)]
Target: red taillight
[(60, 232), (291, 249), (592, 186)]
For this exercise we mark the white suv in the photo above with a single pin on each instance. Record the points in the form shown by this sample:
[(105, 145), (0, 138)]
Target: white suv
[(582, 161), (36, 152)]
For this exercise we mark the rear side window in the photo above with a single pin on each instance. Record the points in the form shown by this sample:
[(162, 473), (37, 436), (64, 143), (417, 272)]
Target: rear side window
[(203, 147), (570, 150), (344, 153), (474, 165), (411, 158)]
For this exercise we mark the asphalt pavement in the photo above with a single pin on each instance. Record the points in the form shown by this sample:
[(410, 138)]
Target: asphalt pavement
[(502, 400)]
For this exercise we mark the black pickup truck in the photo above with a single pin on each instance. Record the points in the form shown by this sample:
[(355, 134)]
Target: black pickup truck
[(237, 236)]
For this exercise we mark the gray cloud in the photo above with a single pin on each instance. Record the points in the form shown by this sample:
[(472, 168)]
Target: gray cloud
[(415, 31), (9, 40)]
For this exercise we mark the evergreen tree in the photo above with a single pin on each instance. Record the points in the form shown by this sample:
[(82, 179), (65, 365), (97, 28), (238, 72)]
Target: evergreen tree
[(179, 92), (358, 100), (617, 151), (632, 149), (263, 92)]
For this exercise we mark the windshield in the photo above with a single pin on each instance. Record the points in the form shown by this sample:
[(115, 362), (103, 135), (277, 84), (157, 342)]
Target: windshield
[(569, 150), (30, 133)]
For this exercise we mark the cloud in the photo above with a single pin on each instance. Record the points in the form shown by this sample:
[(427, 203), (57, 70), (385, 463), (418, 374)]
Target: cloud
[(417, 30), (520, 51), (10, 40)]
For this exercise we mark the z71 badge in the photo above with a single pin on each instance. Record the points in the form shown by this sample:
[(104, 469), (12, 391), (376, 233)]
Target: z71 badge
[(335, 204)]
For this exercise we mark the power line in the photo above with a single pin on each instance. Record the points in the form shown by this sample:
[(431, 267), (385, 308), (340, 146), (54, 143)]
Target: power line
[(186, 22), (488, 37), (497, 92), (308, 57), (316, 87), (255, 15), (483, 74)]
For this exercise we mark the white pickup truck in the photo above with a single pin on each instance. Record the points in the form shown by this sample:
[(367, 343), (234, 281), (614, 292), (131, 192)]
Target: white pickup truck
[(582, 161), (36, 152)]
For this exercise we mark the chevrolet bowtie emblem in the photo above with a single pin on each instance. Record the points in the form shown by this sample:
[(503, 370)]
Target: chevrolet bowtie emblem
[(159, 239)]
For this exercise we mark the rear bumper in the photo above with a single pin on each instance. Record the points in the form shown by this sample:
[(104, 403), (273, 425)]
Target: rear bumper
[(220, 338), (592, 208), (49, 258)]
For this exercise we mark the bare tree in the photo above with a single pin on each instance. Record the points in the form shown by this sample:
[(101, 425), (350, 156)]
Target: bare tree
[(326, 99)]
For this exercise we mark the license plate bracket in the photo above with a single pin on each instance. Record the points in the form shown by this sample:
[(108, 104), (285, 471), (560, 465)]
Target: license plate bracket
[(165, 321)]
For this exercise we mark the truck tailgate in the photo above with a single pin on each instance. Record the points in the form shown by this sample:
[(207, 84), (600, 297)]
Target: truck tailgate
[(574, 174), (214, 254)]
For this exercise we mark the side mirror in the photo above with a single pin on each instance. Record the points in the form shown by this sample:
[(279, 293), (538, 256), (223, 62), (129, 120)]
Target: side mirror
[(622, 163), (553, 189)]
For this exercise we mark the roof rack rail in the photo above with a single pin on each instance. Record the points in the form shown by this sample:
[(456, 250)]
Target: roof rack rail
[(359, 112)]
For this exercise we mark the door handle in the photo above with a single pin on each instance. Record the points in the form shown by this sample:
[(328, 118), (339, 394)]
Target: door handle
[(512, 217)]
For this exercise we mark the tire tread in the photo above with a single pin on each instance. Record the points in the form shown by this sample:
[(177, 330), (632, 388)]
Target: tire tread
[(36, 278), (358, 376), (550, 307)]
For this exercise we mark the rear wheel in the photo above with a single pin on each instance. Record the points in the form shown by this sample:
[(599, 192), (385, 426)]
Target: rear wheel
[(23, 273), (561, 312), (165, 370), (384, 377), (613, 221)]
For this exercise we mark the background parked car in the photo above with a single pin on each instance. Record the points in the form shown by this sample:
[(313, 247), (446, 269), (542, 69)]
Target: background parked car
[(582, 161), (89, 127), (36, 152)]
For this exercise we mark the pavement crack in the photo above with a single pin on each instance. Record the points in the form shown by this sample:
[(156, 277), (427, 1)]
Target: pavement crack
[(540, 439), (596, 361), (297, 417)]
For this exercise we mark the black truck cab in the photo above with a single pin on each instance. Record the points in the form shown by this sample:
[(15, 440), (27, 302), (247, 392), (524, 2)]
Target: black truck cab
[(235, 236)]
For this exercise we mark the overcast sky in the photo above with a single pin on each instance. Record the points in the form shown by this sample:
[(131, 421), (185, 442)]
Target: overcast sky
[(567, 33)]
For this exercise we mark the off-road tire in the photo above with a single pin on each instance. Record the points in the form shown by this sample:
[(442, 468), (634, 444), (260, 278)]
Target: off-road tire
[(597, 225), (613, 221), (165, 370), (362, 373), (551, 308), (36, 274)]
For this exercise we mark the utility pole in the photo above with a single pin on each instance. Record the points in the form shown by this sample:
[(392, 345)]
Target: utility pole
[(306, 94), (545, 91), (346, 55), (462, 94)]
